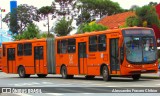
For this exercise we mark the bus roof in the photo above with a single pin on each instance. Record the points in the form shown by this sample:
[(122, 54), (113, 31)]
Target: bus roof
[(22, 41), (128, 28), (90, 33), (102, 32)]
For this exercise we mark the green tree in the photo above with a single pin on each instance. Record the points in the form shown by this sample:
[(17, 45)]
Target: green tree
[(152, 3), (66, 7), (101, 7), (25, 15), (32, 31), (133, 21), (45, 11), (148, 14), (90, 28), (133, 7), (63, 27)]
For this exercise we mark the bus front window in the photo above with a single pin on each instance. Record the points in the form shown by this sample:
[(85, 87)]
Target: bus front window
[(133, 49), (140, 45), (149, 49)]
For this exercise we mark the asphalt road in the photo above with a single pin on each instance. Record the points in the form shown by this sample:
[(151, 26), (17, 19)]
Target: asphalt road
[(54, 85)]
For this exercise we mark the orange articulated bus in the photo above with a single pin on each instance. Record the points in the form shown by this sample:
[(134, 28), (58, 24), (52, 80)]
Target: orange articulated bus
[(115, 52)]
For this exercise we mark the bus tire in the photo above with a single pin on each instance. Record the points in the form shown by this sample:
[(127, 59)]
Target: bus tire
[(70, 76), (64, 72), (136, 76), (41, 75), (105, 74), (27, 75), (89, 77), (22, 72)]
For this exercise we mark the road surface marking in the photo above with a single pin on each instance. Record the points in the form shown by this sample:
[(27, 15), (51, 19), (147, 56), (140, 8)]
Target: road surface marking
[(22, 94), (56, 94), (87, 93)]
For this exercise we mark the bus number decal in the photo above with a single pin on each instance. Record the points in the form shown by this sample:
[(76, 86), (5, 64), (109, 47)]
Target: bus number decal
[(70, 59)]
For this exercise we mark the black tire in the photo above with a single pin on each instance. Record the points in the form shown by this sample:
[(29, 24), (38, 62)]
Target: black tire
[(41, 75), (27, 76), (70, 76), (105, 74), (22, 72), (136, 76), (64, 72), (89, 77)]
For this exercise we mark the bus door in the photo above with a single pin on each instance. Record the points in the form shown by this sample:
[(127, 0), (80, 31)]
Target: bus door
[(82, 60), (38, 59), (11, 60), (114, 60)]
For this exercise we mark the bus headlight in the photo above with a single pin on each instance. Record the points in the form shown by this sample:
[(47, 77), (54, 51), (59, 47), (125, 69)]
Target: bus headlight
[(155, 64), (128, 65)]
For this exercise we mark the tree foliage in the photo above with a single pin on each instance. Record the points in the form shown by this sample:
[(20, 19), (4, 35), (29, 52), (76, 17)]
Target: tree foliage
[(32, 31), (148, 14), (25, 15), (45, 11), (101, 7), (152, 3), (133, 7), (91, 27), (63, 27), (66, 7), (133, 21), (96, 8)]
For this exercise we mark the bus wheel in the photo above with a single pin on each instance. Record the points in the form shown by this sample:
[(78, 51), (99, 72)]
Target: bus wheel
[(89, 77), (64, 72), (136, 76), (70, 76), (22, 72), (105, 73), (41, 75), (27, 75)]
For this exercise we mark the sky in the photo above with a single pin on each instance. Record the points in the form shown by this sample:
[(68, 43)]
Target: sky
[(125, 4)]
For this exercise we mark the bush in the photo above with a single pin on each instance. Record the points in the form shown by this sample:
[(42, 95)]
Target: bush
[(91, 27)]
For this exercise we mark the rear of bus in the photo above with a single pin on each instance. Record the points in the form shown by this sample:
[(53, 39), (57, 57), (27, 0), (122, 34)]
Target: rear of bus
[(138, 52)]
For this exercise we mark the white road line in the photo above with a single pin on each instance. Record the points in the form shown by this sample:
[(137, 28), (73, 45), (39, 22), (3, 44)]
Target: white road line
[(111, 86), (55, 94), (97, 84), (157, 84), (87, 93), (22, 94)]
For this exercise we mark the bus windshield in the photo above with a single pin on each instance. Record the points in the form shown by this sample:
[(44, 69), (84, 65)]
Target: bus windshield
[(140, 48)]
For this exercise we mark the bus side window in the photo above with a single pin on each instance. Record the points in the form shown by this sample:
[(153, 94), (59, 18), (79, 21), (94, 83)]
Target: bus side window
[(27, 49), (71, 45), (93, 43), (102, 42), (20, 49), (59, 47), (4, 50), (64, 46)]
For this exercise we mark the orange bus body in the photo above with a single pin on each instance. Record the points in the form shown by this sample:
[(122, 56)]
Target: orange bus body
[(91, 54)]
